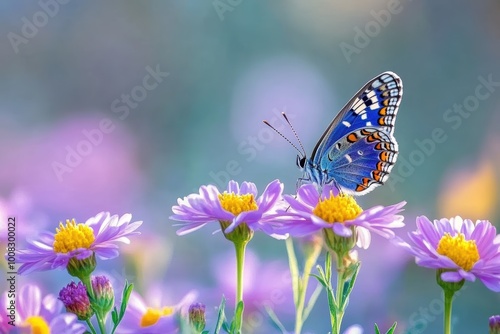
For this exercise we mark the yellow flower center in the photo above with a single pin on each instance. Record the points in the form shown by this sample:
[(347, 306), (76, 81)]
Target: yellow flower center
[(337, 209), (237, 204), (152, 315), (38, 325), (72, 236), (463, 252)]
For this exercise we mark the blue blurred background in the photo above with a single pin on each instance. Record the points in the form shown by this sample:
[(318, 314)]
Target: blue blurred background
[(82, 71)]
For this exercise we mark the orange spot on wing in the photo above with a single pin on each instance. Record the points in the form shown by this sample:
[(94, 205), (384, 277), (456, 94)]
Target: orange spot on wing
[(383, 111), (360, 188), (366, 181), (352, 138), (384, 156), (373, 137)]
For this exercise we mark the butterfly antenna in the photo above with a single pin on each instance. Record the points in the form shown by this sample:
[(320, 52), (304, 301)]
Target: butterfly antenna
[(283, 136), (294, 133)]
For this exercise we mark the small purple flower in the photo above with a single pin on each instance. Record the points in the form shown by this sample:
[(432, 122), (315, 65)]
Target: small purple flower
[(463, 249), (40, 315), (312, 211), (104, 297), (75, 299), (494, 324), (196, 314), (235, 206), (98, 235)]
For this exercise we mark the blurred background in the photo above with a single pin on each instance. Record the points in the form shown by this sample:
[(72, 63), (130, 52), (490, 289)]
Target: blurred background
[(126, 106)]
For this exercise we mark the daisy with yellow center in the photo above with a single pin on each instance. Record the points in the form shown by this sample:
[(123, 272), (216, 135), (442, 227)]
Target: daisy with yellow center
[(43, 314), (237, 205), (74, 241), (239, 213), (37, 325), (142, 317), (313, 210), (459, 248)]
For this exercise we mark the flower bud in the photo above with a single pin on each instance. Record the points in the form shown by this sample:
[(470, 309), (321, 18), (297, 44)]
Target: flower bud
[(197, 317), (75, 299)]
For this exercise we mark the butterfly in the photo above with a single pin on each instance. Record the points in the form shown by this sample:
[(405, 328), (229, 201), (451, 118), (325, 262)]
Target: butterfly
[(358, 150)]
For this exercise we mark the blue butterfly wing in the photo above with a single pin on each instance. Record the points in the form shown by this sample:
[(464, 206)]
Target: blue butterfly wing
[(369, 117), (362, 160)]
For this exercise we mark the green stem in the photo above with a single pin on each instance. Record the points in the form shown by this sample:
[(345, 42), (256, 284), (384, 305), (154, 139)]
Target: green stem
[(339, 293), (91, 327), (240, 247), (448, 300), (303, 283), (240, 262), (88, 285)]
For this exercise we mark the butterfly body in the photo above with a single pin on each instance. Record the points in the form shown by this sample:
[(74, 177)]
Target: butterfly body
[(358, 150)]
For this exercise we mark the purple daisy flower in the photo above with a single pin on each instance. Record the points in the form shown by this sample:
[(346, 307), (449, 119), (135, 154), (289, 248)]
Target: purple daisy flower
[(465, 250), (235, 206), (312, 210), (145, 318), (99, 235), (39, 315)]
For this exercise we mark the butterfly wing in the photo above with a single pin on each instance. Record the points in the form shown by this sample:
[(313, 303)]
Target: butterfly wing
[(361, 160), (369, 117), (374, 105)]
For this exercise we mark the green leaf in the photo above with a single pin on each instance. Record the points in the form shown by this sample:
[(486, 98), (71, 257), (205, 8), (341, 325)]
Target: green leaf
[(205, 332), (117, 317), (221, 317), (114, 315), (392, 329), (225, 326), (276, 322), (320, 280), (348, 286), (238, 318), (127, 290), (328, 267)]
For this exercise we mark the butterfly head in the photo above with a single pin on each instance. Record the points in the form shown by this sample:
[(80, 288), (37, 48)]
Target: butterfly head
[(301, 161)]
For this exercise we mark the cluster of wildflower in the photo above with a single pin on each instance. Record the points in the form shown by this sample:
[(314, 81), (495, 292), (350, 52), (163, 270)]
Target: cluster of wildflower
[(458, 249), (83, 306), (333, 222)]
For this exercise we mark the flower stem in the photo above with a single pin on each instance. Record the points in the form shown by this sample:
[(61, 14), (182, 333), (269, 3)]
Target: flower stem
[(100, 322), (91, 327), (239, 247), (339, 293), (88, 285), (448, 300), (240, 262), (301, 282)]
